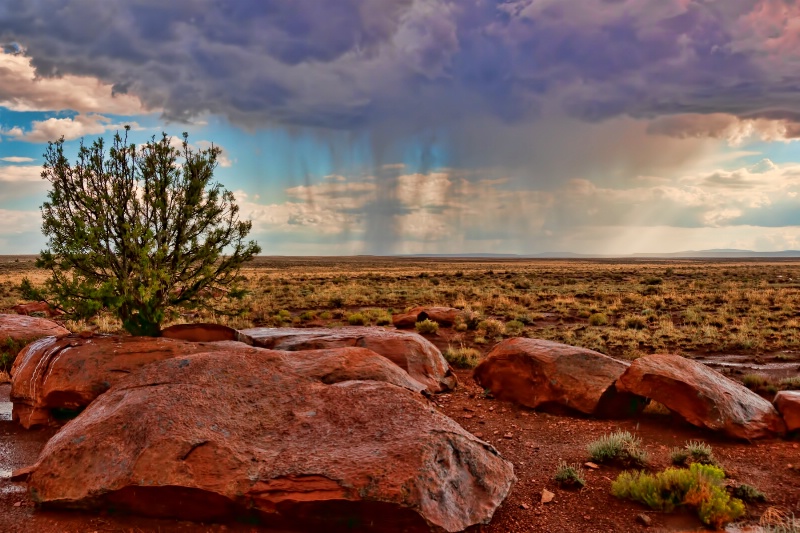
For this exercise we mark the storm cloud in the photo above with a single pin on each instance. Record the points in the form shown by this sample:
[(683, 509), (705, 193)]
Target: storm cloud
[(361, 63)]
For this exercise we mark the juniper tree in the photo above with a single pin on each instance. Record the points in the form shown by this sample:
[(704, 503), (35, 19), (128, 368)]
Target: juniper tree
[(139, 231)]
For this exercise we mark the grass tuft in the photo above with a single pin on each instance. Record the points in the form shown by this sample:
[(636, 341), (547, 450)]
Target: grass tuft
[(618, 447)]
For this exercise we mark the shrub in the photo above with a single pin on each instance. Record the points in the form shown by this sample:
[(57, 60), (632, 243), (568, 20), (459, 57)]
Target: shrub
[(140, 231), (652, 281), (598, 319), (634, 322), (427, 326), (462, 357), (620, 447), (699, 486), (305, 316), (569, 475), (491, 328), (357, 319), (790, 383), (694, 452), (749, 493), (514, 328), (8, 353)]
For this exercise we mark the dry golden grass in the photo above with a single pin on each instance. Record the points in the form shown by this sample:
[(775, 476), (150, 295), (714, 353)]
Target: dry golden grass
[(677, 306)]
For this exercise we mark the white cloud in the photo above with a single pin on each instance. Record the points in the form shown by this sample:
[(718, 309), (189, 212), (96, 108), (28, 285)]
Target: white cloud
[(16, 159), (70, 128), (19, 222), (22, 90), (20, 173)]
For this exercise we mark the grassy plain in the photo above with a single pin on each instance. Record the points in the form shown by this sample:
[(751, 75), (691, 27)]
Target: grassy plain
[(621, 308)]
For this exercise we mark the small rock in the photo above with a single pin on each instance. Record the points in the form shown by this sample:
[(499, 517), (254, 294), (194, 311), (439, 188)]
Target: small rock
[(467, 416), (591, 465), (547, 496), (587, 517), (18, 504), (525, 506), (644, 519), (508, 436)]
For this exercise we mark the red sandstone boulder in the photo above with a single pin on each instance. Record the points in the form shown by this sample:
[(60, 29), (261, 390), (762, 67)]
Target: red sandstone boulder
[(534, 373), (69, 372), (444, 316), (220, 435), (411, 352), (702, 396), (24, 329), (788, 404), (37, 307), (204, 333)]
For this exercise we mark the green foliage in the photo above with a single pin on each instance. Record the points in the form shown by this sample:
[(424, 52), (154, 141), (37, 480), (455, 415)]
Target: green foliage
[(693, 452), (427, 326), (699, 486), (140, 231), (569, 475), (29, 292), (462, 357), (491, 328), (749, 493), (514, 328), (8, 353), (357, 319), (306, 316), (598, 319), (619, 447)]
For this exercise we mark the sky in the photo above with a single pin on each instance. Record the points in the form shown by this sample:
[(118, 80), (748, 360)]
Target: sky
[(430, 126)]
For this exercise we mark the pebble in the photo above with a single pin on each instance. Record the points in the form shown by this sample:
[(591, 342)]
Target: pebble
[(547, 496), (644, 519)]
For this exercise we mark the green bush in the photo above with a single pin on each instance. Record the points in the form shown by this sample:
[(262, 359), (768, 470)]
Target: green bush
[(491, 328), (619, 447), (8, 353), (749, 493), (427, 326), (699, 486), (357, 319), (305, 316), (569, 475), (598, 319), (514, 328), (634, 322), (693, 452), (462, 357)]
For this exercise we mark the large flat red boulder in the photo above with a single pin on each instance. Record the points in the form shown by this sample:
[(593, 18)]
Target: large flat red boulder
[(24, 329), (534, 373), (788, 404), (204, 333), (69, 372), (247, 434), (411, 352), (444, 316), (702, 396)]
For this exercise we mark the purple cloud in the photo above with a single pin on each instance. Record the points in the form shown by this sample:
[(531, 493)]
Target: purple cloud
[(356, 63)]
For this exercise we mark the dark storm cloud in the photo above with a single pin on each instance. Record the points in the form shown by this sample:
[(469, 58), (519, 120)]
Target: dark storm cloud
[(351, 63)]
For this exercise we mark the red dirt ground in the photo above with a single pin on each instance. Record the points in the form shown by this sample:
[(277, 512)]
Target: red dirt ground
[(534, 441)]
